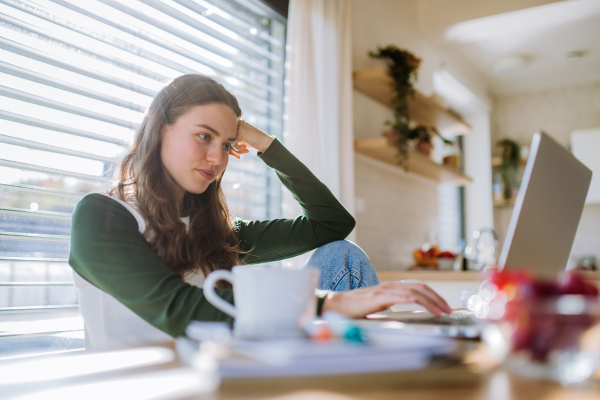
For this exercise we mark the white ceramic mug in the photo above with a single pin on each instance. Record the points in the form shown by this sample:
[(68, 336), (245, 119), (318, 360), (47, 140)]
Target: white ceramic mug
[(268, 301)]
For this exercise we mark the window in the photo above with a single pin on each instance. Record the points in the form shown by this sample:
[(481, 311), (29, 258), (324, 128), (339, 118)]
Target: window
[(75, 80), (450, 210)]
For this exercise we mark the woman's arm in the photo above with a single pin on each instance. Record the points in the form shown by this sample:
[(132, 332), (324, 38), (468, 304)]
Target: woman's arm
[(364, 301), (324, 218), (108, 251)]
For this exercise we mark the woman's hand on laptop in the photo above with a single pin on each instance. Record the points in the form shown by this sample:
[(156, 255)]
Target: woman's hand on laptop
[(361, 302)]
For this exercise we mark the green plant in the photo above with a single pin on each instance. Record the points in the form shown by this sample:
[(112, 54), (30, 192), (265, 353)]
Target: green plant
[(403, 68), (510, 154)]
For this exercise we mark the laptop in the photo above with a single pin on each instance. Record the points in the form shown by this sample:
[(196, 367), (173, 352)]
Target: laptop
[(540, 235), (547, 209)]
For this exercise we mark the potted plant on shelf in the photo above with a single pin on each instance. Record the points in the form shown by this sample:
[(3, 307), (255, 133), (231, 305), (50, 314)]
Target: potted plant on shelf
[(510, 155), (403, 68)]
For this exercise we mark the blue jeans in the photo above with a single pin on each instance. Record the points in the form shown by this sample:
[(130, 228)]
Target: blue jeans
[(343, 265)]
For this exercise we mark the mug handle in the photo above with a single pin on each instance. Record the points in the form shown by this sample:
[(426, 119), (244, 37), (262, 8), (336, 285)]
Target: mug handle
[(212, 297)]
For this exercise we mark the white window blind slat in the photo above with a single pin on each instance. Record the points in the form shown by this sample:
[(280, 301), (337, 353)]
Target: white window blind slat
[(8, 189), (29, 123), (35, 284), (76, 143), (102, 110), (30, 237), (60, 115), (55, 149), (50, 171), (178, 14), (20, 212), (47, 80)]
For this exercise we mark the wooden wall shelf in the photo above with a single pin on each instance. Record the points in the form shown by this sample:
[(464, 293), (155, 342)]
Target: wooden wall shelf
[(375, 83), (417, 163)]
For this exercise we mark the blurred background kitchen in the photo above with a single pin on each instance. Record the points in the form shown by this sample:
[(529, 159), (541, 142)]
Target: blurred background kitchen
[(509, 69)]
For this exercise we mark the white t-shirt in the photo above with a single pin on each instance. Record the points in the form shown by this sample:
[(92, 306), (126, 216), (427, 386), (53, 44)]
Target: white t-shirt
[(108, 324)]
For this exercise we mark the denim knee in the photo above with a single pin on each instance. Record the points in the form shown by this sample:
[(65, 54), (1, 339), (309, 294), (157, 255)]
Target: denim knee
[(339, 246), (343, 265)]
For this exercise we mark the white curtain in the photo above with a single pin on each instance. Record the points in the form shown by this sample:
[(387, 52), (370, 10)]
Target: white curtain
[(318, 127)]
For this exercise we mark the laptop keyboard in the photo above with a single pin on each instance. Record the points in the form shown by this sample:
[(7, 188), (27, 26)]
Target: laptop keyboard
[(458, 319), (459, 324)]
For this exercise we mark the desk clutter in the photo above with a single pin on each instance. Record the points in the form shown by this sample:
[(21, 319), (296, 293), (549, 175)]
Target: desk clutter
[(535, 328), (333, 346)]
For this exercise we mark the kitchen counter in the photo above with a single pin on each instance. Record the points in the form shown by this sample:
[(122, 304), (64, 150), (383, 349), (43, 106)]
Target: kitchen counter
[(438, 275), (451, 284), (430, 275)]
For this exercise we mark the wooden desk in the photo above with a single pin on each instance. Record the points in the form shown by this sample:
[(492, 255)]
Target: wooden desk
[(461, 382), (496, 386), (474, 379)]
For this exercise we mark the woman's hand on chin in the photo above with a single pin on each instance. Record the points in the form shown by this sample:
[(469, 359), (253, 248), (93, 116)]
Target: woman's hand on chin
[(361, 302), (248, 135)]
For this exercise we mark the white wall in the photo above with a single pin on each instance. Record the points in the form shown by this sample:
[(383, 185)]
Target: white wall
[(558, 112), (395, 211)]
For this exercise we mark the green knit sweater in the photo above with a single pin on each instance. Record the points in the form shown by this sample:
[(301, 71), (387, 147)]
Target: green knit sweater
[(108, 250)]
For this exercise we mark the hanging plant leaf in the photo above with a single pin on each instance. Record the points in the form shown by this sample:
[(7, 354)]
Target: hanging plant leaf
[(510, 153), (403, 68)]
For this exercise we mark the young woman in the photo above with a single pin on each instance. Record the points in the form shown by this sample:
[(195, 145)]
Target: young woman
[(141, 252)]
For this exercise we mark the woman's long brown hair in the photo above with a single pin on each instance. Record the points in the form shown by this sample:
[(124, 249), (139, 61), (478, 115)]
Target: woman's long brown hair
[(211, 242)]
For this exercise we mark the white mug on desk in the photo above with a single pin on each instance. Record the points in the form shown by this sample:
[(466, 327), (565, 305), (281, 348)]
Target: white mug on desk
[(268, 301)]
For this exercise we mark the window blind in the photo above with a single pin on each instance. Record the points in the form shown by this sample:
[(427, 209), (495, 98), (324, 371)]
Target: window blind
[(75, 80)]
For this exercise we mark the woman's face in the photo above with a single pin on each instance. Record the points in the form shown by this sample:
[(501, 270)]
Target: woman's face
[(195, 149)]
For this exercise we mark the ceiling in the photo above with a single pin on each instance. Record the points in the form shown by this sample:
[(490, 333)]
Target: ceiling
[(519, 49)]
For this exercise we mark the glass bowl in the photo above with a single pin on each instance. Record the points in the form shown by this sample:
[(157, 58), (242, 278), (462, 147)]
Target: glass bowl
[(554, 338)]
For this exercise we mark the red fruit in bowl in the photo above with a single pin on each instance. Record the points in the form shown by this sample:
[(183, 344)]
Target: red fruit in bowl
[(419, 255), (545, 289), (433, 251), (572, 283), (591, 290), (521, 338), (542, 320), (530, 291), (446, 254), (543, 341)]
